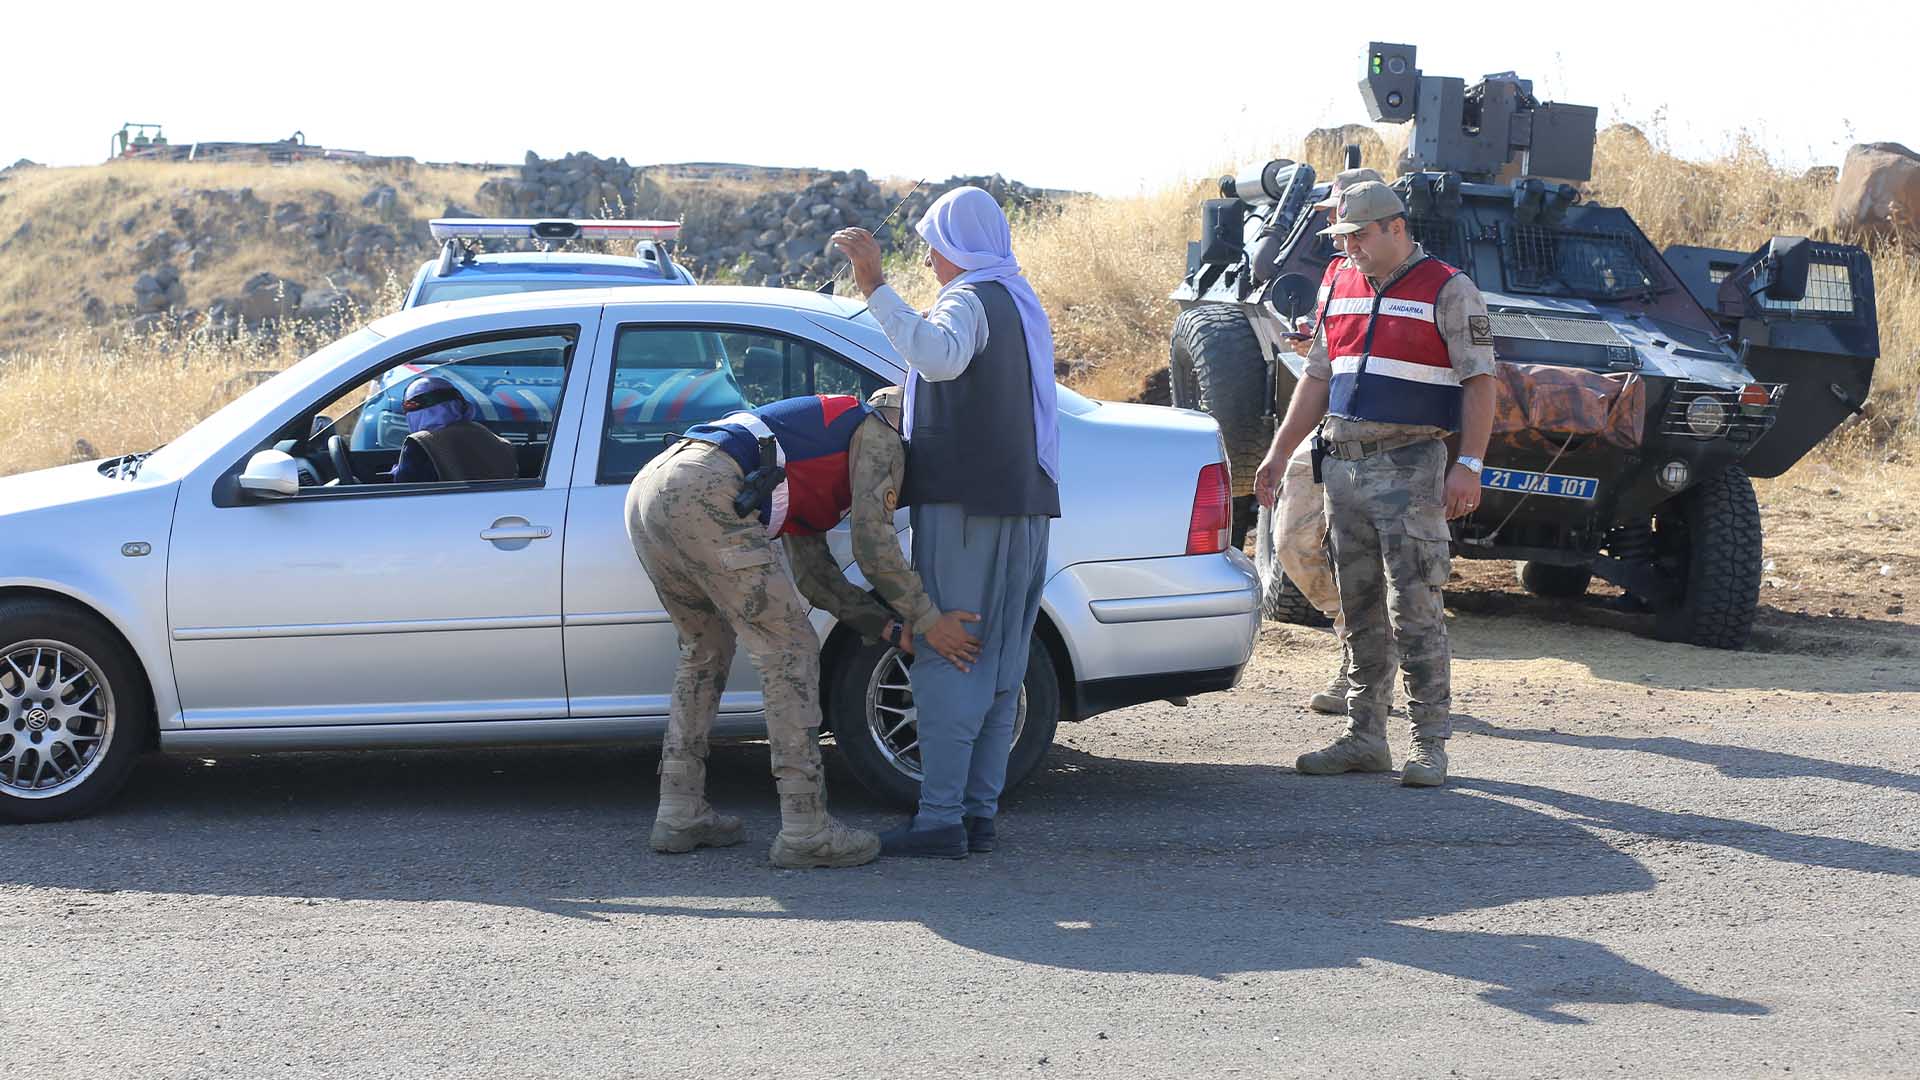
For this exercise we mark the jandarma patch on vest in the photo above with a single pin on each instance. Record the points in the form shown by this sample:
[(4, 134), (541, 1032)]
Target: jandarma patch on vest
[(1480, 328)]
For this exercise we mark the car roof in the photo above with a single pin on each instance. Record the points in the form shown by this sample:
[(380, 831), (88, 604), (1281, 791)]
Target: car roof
[(803, 300)]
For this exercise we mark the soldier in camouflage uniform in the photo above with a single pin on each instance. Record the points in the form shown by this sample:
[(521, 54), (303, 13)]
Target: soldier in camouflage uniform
[(1300, 528), (722, 578), (1402, 357)]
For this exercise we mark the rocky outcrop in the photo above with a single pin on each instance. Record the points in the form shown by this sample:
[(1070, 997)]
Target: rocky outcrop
[(1330, 144), (1878, 191), (777, 238), (159, 290), (729, 232)]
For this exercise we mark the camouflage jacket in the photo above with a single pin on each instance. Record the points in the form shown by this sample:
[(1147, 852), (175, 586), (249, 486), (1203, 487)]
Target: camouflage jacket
[(877, 466)]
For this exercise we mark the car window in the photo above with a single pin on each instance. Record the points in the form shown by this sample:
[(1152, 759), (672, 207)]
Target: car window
[(511, 385), (667, 379), (437, 291)]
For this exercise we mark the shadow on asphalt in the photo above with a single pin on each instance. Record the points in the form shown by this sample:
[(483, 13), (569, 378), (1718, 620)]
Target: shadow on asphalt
[(1734, 762), (1106, 864)]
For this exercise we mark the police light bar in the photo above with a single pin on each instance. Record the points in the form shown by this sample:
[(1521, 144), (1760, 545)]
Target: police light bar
[(562, 229)]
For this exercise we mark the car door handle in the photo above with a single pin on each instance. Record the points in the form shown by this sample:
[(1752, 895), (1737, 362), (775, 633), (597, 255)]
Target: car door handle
[(514, 529)]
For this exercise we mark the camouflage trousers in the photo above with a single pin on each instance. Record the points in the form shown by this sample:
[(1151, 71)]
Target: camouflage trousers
[(721, 580), (1387, 532), (1300, 532)]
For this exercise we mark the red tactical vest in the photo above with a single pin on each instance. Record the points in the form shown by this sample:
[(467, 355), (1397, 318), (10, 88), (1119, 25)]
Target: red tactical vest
[(1390, 364), (812, 437)]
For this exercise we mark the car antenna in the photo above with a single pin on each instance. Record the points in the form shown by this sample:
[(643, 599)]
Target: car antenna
[(827, 288)]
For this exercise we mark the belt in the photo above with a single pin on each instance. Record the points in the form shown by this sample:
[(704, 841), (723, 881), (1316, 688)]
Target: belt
[(1354, 451)]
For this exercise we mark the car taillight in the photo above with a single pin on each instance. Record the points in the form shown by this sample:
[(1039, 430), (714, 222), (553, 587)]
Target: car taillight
[(1212, 520)]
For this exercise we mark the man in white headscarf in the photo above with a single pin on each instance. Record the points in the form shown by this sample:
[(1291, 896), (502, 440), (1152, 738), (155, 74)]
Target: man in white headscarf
[(983, 468)]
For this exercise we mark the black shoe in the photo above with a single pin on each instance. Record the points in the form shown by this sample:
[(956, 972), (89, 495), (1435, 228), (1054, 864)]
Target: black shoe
[(979, 834), (940, 842)]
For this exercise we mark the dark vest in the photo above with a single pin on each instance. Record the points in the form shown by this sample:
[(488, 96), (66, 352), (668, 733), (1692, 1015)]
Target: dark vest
[(973, 440), (466, 450)]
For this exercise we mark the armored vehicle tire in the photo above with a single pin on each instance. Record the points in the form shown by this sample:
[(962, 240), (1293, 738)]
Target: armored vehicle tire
[(75, 711), (872, 713), (1280, 599), (1217, 367), (1555, 582), (1718, 543)]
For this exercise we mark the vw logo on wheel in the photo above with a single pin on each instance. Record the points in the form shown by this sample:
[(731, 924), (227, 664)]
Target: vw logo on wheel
[(36, 719)]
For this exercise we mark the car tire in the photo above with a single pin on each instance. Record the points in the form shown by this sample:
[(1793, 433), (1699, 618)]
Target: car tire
[(1280, 599), (862, 668), (58, 664), (1718, 542), (1219, 368), (1554, 582)]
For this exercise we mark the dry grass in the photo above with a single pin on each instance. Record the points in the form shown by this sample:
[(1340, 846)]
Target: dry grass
[(85, 222), (1102, 266), (74, 400)]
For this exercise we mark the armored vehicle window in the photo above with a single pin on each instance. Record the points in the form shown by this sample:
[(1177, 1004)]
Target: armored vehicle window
[(1829, 290), (1440, 237), (1592, 263)]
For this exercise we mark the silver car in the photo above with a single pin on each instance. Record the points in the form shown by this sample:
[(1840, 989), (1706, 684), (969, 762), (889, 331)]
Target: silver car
[(254, 585)]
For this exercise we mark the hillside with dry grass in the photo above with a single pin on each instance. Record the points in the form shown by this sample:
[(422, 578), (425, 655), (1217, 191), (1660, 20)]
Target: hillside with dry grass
[(1102, 266)]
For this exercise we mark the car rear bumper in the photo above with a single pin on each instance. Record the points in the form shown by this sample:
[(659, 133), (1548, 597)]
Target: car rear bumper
[(1146, 629)]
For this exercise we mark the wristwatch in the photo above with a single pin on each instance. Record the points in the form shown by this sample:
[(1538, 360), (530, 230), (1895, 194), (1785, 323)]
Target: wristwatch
[(1473, 464)]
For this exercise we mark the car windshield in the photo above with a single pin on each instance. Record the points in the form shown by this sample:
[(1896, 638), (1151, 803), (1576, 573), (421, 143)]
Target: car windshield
[(189, 449), (436, 291)]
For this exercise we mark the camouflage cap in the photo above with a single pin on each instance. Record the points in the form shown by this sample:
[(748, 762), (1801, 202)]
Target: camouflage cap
[(1345, 180), (1362, 203), (887, 402)]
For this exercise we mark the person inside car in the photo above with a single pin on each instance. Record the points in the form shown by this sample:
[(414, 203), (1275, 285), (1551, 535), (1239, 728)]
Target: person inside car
[(445, 442)]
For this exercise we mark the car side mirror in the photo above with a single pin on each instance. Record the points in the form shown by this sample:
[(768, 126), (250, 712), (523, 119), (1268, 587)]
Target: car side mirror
[(271, 474), (1292, 295), (1784, 270)]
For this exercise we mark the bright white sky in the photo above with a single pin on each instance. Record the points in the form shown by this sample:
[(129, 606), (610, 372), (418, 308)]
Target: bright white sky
[(1109, 97)]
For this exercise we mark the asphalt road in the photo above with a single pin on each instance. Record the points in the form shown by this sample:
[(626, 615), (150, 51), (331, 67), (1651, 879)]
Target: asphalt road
[(1723, 883)]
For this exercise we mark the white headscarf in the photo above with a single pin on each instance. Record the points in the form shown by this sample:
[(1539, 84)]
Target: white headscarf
[(967, 227)]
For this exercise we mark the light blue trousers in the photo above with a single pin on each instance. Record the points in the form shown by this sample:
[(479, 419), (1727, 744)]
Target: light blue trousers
[(994, 567)]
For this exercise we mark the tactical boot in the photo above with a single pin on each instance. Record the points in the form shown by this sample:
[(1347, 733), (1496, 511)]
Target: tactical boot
[(1352, 752), (810, 838), (685, 819), (710, 829), (1426, 764), (1332, 700)]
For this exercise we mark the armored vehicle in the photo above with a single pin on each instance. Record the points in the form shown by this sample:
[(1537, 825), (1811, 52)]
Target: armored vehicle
[(1638, 390)]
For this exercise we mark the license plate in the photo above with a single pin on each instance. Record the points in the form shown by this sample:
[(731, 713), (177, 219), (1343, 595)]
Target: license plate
[(1539, 483)]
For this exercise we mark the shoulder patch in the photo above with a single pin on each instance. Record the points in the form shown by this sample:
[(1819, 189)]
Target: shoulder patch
[(1480, 329)]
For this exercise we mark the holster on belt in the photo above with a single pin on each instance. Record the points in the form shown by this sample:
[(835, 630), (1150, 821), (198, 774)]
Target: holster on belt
[(1317, 452), (760, 483)]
